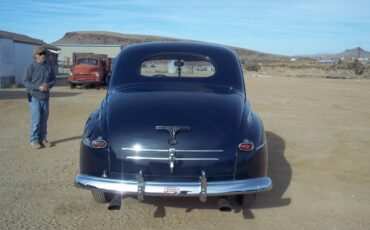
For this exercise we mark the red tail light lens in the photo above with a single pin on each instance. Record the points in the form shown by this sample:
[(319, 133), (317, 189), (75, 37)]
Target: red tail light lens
[(246, 146), (99, 144)]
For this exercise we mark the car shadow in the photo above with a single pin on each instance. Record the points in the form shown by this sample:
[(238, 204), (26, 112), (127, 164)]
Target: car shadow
[(279, 170)]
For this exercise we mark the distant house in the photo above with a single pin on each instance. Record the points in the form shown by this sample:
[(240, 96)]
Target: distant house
[(325, 62), (16, 54), (364, 60)]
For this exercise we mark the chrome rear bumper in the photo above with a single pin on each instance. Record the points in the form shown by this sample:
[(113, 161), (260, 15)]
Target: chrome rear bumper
[(200, 189)]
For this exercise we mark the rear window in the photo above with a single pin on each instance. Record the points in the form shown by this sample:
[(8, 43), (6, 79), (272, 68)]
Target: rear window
[(176, 65), (87, 61)]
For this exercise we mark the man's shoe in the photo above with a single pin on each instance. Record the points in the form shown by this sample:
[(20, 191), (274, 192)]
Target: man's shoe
[(36, 145), (46, 143)]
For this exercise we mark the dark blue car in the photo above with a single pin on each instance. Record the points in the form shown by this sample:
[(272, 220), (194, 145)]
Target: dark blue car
[(175, 122)]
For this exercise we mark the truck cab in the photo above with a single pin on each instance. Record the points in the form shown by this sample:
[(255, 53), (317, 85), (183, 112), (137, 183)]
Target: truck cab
[(89, 69)]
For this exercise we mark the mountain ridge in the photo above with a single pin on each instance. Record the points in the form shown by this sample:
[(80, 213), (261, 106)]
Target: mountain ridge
[(356, 52), (115, 38)]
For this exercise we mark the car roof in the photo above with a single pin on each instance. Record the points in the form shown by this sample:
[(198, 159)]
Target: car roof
[(228, 69)]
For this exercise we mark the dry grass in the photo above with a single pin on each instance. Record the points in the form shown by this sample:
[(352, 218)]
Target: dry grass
[(308, 71)]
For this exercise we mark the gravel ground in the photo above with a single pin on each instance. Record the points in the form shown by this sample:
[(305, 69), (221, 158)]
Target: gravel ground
[(318, 133)]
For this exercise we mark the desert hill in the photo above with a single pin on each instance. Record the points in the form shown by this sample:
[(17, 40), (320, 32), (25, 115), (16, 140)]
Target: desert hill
[(103, 37), (357, 52)]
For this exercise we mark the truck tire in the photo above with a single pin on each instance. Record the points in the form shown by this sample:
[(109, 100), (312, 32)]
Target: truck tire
[(246, 200), (101, 197), (72, 85)]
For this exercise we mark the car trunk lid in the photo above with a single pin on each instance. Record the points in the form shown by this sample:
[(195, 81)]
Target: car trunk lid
[(173, 134)]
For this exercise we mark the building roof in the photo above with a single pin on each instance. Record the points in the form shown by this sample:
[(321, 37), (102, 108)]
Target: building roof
[(20, 38)]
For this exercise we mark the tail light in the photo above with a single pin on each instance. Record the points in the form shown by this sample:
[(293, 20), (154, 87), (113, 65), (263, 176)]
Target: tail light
[(246, 146), (99, 144)]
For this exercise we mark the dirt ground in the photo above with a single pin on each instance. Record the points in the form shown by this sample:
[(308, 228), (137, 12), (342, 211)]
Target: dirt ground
[(318, 133)]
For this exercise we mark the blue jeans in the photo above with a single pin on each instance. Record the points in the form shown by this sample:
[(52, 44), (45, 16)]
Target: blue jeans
[(39, 110)]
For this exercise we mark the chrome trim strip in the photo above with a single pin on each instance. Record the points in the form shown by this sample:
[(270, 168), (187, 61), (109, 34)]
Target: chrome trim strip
[(214, 188), (263, 144), (197, 159), (145, 150), (200, 151), (147, 158), (177, 150), (166, 158)]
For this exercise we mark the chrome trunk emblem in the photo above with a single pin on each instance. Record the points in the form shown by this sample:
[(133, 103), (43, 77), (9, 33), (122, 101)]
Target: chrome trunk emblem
[(172, 130)]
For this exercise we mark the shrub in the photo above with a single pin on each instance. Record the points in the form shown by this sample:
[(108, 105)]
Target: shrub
[(358, 67), (253, 67)]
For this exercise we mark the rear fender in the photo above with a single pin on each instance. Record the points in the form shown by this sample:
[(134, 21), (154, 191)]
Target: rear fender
[(93, 161), (253, 163)]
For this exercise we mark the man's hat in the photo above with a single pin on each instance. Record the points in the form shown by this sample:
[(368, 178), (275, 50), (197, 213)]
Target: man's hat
[(39, 49)]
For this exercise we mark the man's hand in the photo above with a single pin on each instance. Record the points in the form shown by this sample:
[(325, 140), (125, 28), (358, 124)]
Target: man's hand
[(43, 87)]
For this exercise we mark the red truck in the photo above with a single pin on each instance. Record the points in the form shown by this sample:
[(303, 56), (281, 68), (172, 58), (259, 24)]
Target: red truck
[(90, 69)]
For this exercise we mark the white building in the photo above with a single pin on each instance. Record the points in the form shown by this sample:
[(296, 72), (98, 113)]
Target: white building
[(326, 62), (16, 54), (67, 50)]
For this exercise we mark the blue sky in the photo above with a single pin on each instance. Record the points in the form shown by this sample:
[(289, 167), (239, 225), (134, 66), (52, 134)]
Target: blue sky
[(287, 27)]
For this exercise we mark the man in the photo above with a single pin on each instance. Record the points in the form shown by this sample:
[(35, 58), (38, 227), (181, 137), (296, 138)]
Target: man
[(39, 78)]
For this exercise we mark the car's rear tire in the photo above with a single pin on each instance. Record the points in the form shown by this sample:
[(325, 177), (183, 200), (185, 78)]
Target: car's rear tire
[(246, 200), (72, 86), (101, 197)]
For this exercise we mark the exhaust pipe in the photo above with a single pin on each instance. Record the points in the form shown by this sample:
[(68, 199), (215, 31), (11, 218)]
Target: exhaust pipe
[(223, 205), (115, 203)]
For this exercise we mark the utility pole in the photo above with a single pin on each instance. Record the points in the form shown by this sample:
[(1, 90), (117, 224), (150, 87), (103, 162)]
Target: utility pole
[(358, 52)]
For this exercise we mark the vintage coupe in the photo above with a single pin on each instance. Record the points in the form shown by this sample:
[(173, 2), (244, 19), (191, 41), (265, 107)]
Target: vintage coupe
[(175, 122)]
